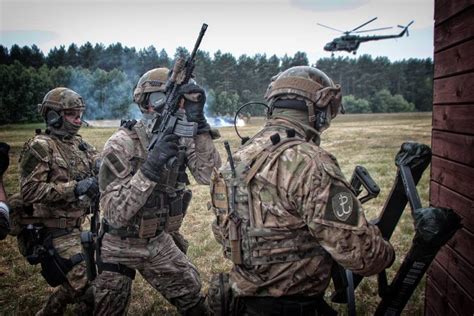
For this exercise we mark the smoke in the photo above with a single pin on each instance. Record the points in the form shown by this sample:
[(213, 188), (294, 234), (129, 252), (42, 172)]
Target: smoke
[(107, 95)]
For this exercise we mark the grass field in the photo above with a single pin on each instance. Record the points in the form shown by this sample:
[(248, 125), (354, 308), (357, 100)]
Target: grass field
[(368, 140)]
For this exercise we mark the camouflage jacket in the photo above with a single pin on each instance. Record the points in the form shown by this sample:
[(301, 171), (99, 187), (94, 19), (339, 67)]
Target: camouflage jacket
[(124, 189), (50, 168), (298, 201)]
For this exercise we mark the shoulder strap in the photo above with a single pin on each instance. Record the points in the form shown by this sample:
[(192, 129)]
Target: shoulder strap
[(266, 151)]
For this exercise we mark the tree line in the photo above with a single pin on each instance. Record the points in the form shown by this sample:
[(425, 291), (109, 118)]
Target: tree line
[(106, 75)]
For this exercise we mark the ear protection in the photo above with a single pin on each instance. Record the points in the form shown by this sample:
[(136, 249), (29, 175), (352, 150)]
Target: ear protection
[(54, 119)]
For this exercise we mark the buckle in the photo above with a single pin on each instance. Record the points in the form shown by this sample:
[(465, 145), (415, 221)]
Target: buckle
[(62, 223)]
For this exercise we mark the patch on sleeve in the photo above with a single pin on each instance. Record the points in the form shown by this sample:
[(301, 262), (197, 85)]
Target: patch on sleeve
[(342, 206), (115, 161), (40, 151)]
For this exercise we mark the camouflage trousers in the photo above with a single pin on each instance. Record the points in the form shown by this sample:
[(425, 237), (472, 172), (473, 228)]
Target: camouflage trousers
[(77, 289), (161, 263)]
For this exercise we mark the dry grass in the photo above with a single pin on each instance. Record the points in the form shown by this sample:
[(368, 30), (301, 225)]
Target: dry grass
[(369, 140)]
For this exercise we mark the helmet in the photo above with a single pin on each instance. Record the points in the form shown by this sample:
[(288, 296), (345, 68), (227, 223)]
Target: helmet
[(152, 81), (52, 109), (308, 88), (60, 99)]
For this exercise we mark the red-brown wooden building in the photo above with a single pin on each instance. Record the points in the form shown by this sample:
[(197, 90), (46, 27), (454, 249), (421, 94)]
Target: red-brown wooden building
[(450, 281)]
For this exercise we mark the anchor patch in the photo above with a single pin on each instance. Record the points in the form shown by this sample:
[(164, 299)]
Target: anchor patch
[(342, 205)]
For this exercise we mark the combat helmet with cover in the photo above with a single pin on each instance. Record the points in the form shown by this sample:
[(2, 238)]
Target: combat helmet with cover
[(55, 103), (151, 87), (309, 89)]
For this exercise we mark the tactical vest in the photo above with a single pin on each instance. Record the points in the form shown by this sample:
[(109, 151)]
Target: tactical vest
[(166, 206), (64, 158), (240, 229)]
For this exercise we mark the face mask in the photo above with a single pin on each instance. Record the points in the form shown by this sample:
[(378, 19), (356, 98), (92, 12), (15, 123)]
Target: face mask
[(148, 119), (70, 128)]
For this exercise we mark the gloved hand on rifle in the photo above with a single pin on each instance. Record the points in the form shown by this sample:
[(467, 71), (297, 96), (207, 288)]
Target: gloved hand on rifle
[(164, 150), (194, 100), (88, 187)]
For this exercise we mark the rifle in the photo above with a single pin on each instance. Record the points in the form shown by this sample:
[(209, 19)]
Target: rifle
[(169, 123), (411, 160)]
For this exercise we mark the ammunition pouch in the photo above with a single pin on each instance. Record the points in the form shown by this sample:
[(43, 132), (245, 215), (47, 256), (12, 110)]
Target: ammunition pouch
[(36, 244), (162, 212), (88, 249)]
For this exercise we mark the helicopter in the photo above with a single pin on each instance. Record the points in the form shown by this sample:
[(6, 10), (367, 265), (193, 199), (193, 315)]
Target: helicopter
[(350, 43)]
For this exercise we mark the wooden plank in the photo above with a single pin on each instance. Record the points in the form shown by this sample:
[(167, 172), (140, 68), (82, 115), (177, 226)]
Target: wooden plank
[(454, 60), (456, 147), (454, 89), (457, 177), (441, 196), (462, 243), (455, 118), (457, 268), (436, 303), (440, 286), (444, 9), (455, 30)]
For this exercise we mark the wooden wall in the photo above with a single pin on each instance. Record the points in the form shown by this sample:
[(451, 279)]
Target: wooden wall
[(450, 281)]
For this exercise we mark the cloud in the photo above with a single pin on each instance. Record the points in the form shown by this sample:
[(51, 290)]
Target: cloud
[(324, 5), (26, 37)]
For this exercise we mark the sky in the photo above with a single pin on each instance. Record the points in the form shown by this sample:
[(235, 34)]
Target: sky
[(236, 26)]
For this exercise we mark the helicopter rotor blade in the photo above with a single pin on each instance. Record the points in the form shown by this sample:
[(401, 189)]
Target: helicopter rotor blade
[(363, 25), (372, 30), (331, 28)]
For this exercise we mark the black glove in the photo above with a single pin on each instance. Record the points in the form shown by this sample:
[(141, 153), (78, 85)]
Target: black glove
[(88, 187), (4, 159), (4, 226), (164, 150), (194, 105)]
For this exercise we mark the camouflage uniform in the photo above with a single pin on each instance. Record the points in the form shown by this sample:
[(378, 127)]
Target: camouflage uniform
[(126, 196), (286, 216), (50, 168)]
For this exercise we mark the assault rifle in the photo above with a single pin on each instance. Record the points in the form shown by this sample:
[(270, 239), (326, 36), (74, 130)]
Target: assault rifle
[(169, 123), (433, 228)]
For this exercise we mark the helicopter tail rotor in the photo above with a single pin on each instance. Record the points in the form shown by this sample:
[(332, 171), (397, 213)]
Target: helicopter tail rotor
[(405, 28)]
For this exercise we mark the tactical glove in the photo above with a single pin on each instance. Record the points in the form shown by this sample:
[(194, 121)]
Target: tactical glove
[(194, 100), (163, 151), (88, 187), (4, 159)]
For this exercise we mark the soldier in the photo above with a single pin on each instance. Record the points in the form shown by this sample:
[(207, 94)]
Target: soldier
[(57, 180), (141, 209), (284, 210), (4, 210)]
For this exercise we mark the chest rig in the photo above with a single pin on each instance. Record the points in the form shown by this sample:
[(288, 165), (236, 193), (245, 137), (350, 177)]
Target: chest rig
[(166, 206), (67, 160), (239, 227)]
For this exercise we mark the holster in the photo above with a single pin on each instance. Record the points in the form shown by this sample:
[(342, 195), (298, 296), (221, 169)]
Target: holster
[(37, 246), (54, 268)]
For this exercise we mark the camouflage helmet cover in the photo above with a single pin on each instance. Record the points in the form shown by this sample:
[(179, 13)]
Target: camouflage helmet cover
[(153, 80), (309, 83), (60, 99)]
